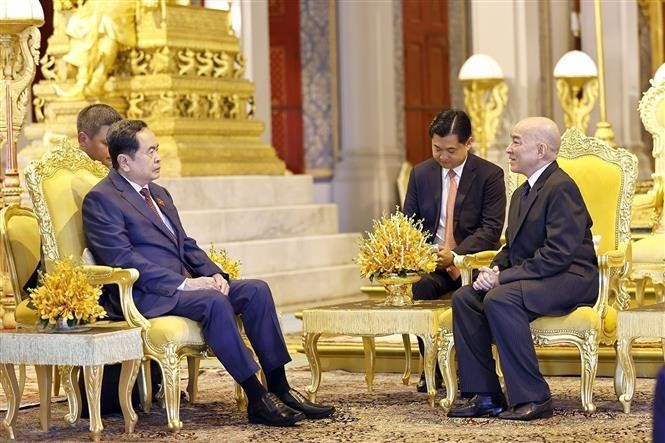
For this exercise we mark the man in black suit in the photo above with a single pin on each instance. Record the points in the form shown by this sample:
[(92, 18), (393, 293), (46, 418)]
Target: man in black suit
[(548, 267), (131, 222), (459, 186)]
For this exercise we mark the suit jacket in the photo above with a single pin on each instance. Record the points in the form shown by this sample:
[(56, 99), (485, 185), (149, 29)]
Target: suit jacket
[(480, 205), (122, 231), (549, 246)]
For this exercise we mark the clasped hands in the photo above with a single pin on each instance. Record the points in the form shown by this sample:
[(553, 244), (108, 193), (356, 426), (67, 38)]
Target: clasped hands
[(488, 278), (445, 258), (216, 283)]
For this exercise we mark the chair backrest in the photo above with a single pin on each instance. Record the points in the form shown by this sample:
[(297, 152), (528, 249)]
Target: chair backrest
[(403, 181), (20, 237), (652, 114), (606, 177), (57, 183)]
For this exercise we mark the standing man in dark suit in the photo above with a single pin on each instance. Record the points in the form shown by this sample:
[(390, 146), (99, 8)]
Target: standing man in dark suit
[(131, 222), (456, 186), (548, 267)]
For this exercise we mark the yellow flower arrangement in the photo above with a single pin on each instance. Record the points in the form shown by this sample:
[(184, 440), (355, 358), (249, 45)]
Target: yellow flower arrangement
[(222, 259), (397, 245), (66, 294)]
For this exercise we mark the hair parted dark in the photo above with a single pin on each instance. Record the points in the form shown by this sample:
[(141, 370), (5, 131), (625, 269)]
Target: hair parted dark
[(93, 117), (121, 138), (451, 122)]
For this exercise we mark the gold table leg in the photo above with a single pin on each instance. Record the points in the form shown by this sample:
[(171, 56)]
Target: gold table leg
[(369, 348), (447, 365), (69, 377), (13, 395), (128, 373), (406, 339), (626, 384), (309, 343), (44, 379), (431, 345), (93, 389)]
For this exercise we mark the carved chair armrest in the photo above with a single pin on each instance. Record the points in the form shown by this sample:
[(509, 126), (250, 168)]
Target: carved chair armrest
[(612, 270), (124, 278), (467, 263)]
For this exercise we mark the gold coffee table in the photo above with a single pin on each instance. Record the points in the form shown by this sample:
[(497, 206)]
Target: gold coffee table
[(369, 319), (91, 349), (645, 321)]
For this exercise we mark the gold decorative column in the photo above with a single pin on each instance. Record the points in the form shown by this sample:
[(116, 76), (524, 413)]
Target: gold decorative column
[(485, 97), (577, 87), (19, 53), (604, 129), (179, 68)]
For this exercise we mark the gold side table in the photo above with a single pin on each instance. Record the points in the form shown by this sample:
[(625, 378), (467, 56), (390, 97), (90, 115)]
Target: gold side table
[(369, 319), (645, 321), (91, 349)]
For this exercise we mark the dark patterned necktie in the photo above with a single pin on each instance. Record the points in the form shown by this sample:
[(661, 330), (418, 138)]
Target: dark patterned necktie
[(524, 194)]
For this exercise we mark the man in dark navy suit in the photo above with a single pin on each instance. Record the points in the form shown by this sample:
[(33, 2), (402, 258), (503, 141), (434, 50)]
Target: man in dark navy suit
[(659, 408), (461, 199), (131, 222), (548, 267)]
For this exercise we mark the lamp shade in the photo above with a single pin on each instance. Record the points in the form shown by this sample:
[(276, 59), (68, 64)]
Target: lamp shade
[(659, 76), (16, 15), (575, 64), (479, 67)]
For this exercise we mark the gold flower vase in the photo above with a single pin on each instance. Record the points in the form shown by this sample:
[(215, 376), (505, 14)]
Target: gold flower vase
[(399, 289)]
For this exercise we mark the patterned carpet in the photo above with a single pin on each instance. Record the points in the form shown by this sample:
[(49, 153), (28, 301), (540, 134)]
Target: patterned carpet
[(392, 413)]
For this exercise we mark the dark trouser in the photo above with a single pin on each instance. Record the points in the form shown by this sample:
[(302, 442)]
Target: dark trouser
[(434, 286), (251, 299), (499, 315), (659, 408)]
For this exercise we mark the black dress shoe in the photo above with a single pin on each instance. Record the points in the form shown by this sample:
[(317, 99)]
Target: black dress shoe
[(271, 411), (295, 400), (479, 406), (529, 411), (422, 385)]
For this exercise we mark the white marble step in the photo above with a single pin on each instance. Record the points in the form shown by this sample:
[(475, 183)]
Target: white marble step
[(290, 254), (230, 225), (239, 191), (309, 286)]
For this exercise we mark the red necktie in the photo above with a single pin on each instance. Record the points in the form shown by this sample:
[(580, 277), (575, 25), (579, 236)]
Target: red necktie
[(145, 192)]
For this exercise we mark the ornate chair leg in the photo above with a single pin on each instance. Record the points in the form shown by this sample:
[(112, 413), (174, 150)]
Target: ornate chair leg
[(499, 371), (407, 359), (193, 364), (626, 377), (145, 386), (589, 361), (170, 365), (241, 398), (448, 369)]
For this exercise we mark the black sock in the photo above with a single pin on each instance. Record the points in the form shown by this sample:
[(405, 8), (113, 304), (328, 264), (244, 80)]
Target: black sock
[(253, 388), (277, 382)]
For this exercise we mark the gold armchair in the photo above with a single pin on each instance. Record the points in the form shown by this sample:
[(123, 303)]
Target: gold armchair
[(57, 183), (649, 252), (606, 178)]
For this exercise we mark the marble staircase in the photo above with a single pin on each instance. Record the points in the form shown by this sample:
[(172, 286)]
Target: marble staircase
[(272, 225)]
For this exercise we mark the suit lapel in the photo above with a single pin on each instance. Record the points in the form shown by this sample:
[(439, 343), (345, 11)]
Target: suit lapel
[(169, 211), (531, 198), (435, 183), (134, 198), (465, 182)]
